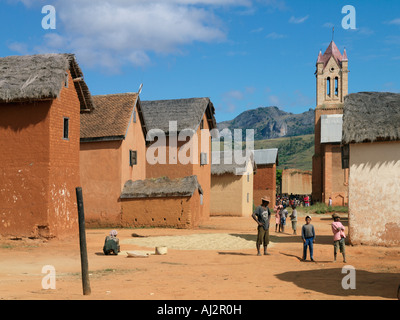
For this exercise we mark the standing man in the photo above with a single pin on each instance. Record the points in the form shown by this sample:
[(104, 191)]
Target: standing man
[(262, 215), (308, 236)]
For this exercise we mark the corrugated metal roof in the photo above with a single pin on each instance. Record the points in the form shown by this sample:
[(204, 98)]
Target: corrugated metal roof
[(266, 156), (331, 128)]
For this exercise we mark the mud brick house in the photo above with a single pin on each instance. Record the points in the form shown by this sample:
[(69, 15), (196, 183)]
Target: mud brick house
[(297, 182), (231, 184), (265, 178), (328, 177), (41, 99), (176, 203), (178, 142), (371, 139), (112, 151)]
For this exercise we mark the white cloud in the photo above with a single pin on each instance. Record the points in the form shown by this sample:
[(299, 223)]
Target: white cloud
[(274, 36), (118, 32), (113, 33), (298, 20), (18, 47), (394, 21), (274, 100), (328, 25)]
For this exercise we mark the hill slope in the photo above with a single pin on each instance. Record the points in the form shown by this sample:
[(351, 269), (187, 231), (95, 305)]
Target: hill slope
[(292, 134), (271, 122)]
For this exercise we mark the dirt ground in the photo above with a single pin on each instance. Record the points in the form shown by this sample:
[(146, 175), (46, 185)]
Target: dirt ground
[(217, 261)]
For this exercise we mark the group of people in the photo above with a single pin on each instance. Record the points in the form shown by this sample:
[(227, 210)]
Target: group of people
[(297, 200), (281, 215), (262, 216)]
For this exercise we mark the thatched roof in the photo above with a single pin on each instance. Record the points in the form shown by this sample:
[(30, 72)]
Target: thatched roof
[(110, 117), (188, 114), (225, 162), (161, 187), (40, 77), (371, 116)]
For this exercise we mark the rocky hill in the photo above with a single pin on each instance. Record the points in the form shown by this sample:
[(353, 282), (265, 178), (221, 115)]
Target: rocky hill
[(271, 122)]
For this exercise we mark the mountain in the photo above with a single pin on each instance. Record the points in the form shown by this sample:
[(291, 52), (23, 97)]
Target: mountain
[(271, 122)]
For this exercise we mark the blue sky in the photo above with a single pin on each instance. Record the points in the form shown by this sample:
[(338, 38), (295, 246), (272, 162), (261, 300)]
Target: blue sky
[(243, 54)]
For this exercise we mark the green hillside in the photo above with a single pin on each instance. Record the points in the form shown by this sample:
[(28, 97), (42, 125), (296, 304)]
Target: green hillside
[(294, 152)]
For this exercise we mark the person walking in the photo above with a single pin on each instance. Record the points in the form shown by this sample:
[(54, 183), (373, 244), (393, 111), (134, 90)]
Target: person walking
[(293, 219), (262, 216), (339, 237), (283, 213), (278, 218), (308, 236)]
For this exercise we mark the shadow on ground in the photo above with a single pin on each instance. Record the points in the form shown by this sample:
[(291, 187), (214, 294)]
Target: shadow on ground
[(285, 238), (329, 281)]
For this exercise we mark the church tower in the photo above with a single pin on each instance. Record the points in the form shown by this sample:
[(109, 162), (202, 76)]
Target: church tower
[(329, 179), (332, 77)]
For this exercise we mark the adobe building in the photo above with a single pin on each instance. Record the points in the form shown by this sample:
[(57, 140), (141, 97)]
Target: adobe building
[(328, 177), (231, 184), (179, 142), (371, 135), (41, 99), (162, 202), (264, 183), (112, 151), (297, 182)]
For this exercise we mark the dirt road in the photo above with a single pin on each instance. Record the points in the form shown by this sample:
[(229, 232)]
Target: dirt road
[(217, 261)]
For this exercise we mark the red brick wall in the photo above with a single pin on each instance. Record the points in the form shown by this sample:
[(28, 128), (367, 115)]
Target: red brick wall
[(179, 170), (64, 162), (173, 212), (101, 184), (264, 184), (38, 170), (24, 167)]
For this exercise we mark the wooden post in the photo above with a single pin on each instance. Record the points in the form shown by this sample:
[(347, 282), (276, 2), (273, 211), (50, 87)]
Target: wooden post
[(82, 243)]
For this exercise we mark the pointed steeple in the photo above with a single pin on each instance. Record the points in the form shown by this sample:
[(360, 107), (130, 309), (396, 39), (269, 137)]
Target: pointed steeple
[(319, 60), (331, 51), (344, 58)]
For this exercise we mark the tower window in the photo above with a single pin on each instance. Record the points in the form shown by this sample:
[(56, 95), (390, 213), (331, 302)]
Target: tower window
[(328, 86), (336, 86)]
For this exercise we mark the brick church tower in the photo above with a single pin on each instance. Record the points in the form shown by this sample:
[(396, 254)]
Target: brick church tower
[(329, 179)]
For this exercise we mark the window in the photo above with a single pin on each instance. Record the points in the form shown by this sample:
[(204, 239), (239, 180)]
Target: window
[(248, 197), (336, 86), (66, 81), (345, 156), (203, 158), (66, 129), (202, 124), (201, 198), (132, 158), (328, 86), (134, 115), (248, 177)]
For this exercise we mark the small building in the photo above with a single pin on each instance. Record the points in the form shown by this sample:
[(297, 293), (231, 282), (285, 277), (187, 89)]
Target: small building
[(231, 184), (176, 203), (178, 142), (112, 151), (371, 138), (265, 178), (41, 99), (296, 182)]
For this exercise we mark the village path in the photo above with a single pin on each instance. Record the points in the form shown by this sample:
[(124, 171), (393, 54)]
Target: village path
[(216, 261)]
